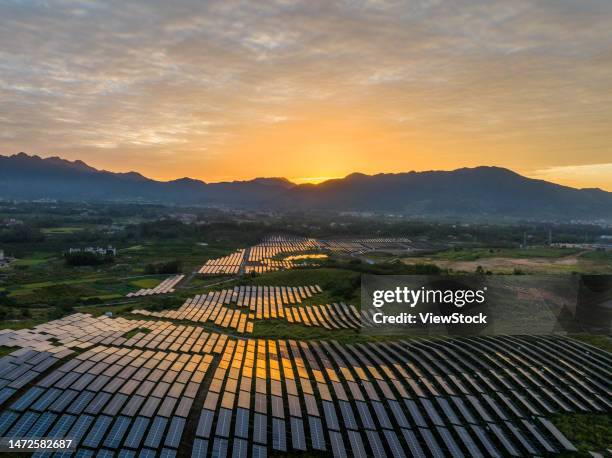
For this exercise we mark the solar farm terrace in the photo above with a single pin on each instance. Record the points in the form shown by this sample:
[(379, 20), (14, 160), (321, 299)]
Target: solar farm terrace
[(208, 378)]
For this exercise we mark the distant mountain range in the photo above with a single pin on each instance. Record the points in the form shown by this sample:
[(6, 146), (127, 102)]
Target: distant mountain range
[(466, 192)]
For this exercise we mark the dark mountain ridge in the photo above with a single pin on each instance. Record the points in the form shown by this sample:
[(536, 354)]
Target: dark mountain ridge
[(465, 192)]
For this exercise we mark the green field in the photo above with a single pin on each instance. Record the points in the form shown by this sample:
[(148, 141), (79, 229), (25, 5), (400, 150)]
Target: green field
[(34, 260), (39, 286), (473, 254), (61, 230), (589, 432), (604, 256), (146, 282)]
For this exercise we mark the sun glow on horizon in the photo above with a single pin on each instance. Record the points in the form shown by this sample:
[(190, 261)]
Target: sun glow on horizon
[(313, 180)]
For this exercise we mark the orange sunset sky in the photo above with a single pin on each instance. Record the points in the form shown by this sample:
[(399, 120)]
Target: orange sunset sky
[(309, 90)]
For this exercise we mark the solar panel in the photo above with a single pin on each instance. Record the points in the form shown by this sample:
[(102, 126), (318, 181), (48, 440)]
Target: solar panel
[(205, 423), (191, 389), (150, 406), (448, 411), (463, 409), (375, 443), (41, 426), (61, 426), (316, 433), (468, 442), (118, 430), (175, 432), (347, 415), (112, 408), (415, 413), (83, 453), (156, 432), (259, 451), (27, 399), (137, 431), (77, 405), (132, 407), (294, 406), (479, 408), (501, 436), (45, 400), (398, 414), (381, 414), (261, 404), (219, 448), (99, 428), (147, 453), (167, 406), (394, 444), (6, 420), (51, 378), (330, 415), (184, 406), (432, 443), (364, 413), (486, 441), (114, 385), (241, 429), (80, 427), (279, 440), (413, 443), (161, 389), (6, 393), (357, 445), (223, 422), (260, 433), (200, 448), (431, 412), (240, 448), (96, 385), (278, 409), (298, 439), (337, 445), (521, 438), (23, 424), (450, 443), (97, 403)]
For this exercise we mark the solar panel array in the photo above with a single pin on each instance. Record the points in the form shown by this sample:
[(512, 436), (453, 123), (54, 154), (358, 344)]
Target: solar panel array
[(264, 303), (397, 399), (166, 286), (78, 331), (364, 244), (112, 399), (177, 387), (275, 245), (269, 265), (24, 365), (237, 308), (229, 264), (262, 257)]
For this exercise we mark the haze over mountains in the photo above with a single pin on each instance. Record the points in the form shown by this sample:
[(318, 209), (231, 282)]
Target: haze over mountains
[(466, 192)]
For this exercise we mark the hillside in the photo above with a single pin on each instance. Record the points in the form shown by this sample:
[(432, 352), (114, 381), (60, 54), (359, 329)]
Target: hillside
[(480, 191)]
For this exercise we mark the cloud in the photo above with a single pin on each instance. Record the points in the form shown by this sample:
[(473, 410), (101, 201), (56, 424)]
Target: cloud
[(524, 84)]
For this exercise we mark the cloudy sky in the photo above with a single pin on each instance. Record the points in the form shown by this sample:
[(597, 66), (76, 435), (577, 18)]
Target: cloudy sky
[(223, 90)]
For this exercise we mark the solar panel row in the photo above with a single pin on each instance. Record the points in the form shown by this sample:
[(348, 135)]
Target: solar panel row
[(469, 396), (166, 286)]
